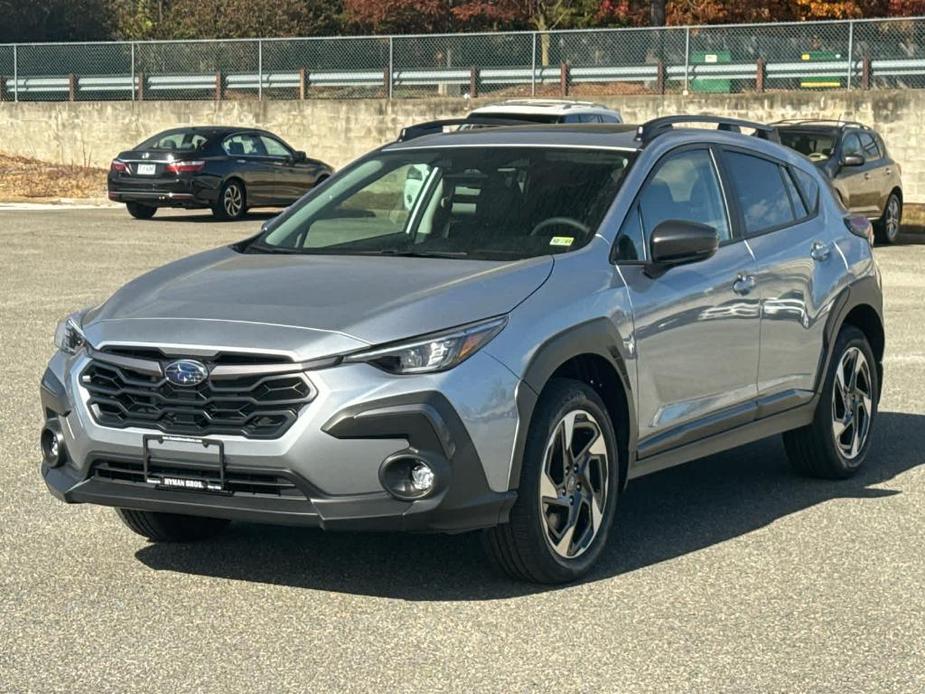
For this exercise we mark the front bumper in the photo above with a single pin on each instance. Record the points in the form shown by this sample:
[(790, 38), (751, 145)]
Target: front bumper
[(331, 456)]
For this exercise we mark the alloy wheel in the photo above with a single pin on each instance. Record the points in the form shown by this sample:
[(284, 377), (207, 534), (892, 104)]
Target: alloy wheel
[(233, 200), (574, 484), (892, 217), (852, 403)]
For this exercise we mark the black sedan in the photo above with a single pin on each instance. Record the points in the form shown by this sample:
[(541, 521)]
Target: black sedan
[(228, 170)]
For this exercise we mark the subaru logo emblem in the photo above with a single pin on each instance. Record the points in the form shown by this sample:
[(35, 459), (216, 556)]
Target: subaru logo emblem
[(186, 372)]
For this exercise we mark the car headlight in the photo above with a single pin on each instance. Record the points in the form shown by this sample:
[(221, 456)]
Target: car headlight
[(432, 353), (69, 338)]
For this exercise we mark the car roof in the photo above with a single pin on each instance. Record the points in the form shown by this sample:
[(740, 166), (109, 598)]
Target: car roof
[(594, 135), (612, 136), (214, 130), (550, 107), (828, 126)]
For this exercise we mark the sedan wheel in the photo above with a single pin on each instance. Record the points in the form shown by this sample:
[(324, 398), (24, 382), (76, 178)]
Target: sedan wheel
[(232, 201)]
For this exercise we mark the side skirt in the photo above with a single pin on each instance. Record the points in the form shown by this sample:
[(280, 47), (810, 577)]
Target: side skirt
[(739, 436)]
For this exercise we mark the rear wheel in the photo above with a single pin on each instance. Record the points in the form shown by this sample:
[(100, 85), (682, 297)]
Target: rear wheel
[(171, 527), (836, 443), (887, 227), (232, 201), (139, 211), (568, 489)]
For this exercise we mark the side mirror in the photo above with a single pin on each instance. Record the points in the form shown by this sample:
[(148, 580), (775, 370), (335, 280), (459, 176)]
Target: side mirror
[(677, 242), (852, 160), (298, 157)]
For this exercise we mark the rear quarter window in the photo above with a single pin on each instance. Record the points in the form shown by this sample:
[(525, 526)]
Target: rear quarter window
[(809, 189)]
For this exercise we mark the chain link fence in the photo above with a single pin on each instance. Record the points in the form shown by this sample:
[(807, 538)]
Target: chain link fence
[(719, 59)]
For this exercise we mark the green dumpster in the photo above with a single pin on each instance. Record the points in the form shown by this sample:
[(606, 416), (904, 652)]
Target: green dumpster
[(711, 84), (820, 81)]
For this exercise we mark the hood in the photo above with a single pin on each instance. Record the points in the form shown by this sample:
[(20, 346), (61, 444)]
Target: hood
[(308, 306)]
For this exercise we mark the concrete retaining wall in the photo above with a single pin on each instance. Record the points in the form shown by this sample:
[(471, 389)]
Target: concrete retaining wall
[(337, 131)]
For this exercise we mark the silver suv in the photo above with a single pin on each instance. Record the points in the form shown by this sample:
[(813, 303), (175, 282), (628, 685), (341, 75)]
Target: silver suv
[(561, 310)]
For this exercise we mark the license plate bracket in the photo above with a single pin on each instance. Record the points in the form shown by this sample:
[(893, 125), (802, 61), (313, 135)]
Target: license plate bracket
[(177, 480)]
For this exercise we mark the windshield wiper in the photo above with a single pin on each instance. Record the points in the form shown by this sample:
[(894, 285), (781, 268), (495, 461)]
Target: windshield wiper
[(411, 253)]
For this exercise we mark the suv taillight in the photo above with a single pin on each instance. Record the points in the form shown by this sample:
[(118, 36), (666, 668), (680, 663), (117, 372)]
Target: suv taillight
[(179, 167), (860, 226), (118, 166)]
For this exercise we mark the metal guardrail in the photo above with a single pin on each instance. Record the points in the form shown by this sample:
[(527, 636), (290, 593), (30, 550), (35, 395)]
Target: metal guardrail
[(806, 55)]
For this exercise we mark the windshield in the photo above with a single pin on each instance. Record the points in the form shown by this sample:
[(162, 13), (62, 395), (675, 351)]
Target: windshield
[(818, 146), (176, 140), (493, 203)]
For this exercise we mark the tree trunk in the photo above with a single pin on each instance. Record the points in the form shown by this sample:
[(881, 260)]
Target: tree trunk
[(657, 12), (539, 23)]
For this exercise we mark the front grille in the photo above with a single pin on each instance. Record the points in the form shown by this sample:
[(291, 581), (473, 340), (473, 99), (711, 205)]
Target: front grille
[(236, 482), (258, 406)]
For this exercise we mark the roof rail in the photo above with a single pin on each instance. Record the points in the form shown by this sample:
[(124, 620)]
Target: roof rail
[(822, 121), (436, 127), (648, 131)]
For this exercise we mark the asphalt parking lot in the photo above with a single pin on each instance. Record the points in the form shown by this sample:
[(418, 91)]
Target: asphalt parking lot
[(728, 574)]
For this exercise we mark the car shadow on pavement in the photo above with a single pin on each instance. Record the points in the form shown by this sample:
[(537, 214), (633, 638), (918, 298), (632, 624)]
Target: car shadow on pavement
[(663, 516), (206, 217), (911, 234)]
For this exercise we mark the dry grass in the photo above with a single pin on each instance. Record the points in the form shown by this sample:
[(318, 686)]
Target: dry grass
[(22, 178)]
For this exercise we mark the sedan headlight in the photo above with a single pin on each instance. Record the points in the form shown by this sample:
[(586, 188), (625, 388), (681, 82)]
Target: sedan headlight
[(432, 353), (69, 338)]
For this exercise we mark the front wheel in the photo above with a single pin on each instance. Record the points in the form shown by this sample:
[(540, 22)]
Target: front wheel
[(887, 227), (139, 211), (232, 201), (836, 443), (171, 527), (568, 489)]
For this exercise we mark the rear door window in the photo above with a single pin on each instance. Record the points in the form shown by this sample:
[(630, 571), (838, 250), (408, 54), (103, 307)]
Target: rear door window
[(243, 144), (761, 192)]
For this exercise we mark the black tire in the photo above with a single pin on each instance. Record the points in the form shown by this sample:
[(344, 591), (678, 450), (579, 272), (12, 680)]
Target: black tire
[(522, 548), (139, 211), (814, 450), (231, 204), (171, 527), (886, 229)]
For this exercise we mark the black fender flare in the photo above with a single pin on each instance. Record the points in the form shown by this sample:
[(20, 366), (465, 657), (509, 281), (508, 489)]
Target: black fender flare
[(864, 292), (598, 337)]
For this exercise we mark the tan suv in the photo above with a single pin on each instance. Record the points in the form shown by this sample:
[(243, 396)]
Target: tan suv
[(855, 159)]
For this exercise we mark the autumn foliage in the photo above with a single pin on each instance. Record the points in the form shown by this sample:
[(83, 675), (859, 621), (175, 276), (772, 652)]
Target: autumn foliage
[(71, 20)]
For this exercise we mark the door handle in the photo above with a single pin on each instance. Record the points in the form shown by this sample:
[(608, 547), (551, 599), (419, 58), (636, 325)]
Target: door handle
[(867, 175), (820, 251), (743, 284)]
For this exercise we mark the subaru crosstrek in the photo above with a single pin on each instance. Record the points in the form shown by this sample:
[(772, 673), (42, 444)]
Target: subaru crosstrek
[(561, 310)]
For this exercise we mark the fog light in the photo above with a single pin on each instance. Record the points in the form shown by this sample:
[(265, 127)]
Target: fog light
[(52, 443), (410, 475), (422, 477)]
